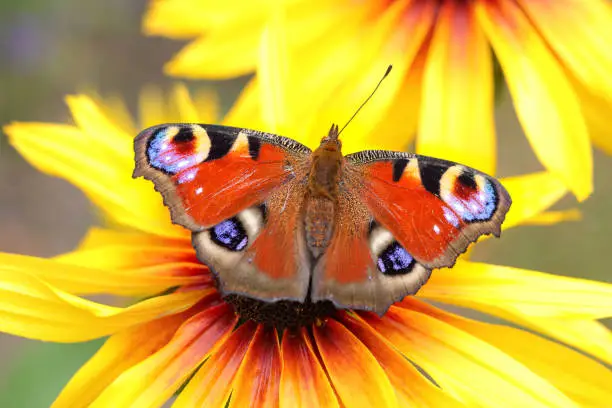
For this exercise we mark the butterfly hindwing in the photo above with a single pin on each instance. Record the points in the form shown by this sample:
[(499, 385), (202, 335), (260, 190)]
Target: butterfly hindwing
[(364, 267), (258, 253), (237, 190)]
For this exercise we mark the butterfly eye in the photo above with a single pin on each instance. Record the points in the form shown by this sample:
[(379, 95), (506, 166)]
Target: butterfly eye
[(230, 234), (395, 260)]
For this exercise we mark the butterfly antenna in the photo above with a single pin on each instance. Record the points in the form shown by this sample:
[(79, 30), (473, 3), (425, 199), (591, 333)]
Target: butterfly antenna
[(367, 99)]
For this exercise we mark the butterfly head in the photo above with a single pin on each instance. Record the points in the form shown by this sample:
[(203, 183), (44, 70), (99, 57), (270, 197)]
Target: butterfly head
[(331, 142)]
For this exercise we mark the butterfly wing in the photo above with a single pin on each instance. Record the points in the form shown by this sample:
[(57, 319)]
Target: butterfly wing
[(409, 214), (239, 191)]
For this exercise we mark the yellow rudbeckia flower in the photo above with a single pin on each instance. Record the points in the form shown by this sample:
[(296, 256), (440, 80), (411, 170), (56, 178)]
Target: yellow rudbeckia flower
[(184, 331), (554, 56)]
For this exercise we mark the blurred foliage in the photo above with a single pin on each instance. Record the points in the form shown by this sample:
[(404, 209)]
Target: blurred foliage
[(38, 371)]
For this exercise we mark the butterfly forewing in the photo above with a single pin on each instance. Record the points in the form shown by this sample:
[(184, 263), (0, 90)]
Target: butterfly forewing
[(438, 207)]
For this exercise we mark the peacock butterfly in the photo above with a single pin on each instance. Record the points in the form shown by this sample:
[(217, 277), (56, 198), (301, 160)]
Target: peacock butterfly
[(276, 221)]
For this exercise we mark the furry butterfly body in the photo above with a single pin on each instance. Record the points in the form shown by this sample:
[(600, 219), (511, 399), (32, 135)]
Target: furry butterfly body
[(277, 221)]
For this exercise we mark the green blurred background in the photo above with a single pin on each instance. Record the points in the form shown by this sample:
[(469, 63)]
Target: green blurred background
[(49, 49)]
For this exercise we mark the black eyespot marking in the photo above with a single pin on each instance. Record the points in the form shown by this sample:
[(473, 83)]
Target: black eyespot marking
[(184, 135), (431, 175), (220, 145), (254, 147), (395, 260), (230, 234), (398, 168), (467, 179)]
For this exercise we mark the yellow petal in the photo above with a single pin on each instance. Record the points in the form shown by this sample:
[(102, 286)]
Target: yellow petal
[(114, 107), (273, 71), (596, 110), (211, 386), (222, 54), (152, 107), (532, 293), (395, 38), (531, 195), (543, 98), (206, 103), (247, 110), (404, 110), (91, 278), (457, 114), (182, 19), (183, 104), (120, 352), (126, 263), (580, 33), (586, 335), (175, 19), (122, 247), (579, 377), (466, 367), (411, 387), (152, 381), (100, 164), (30, 307), (560, 307), (90, 118), (316, 76)]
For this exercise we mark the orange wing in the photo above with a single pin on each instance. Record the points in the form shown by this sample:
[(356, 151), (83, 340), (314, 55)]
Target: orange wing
[(208, 173), (239, 191), (402, 215), (433, 207), (349, 273)]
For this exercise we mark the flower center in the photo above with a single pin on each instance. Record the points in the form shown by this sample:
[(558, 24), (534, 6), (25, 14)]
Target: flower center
[(281, 314)]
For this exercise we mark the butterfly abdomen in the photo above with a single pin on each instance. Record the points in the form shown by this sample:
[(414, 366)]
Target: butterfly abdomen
[(322, 195)]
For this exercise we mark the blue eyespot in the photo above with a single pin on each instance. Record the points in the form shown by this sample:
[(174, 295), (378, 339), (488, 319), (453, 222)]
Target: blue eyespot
[(174, 149), (479, 206), (230, 234), (395, 260)]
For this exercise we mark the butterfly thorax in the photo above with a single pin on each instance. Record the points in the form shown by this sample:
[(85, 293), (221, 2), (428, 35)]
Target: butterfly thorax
[(322, 193)]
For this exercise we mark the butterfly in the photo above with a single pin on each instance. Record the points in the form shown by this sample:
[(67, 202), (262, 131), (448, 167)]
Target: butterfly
[(276, 221)]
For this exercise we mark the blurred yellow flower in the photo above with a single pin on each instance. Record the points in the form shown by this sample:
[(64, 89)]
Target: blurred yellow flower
[(184, 330), (555, 57)]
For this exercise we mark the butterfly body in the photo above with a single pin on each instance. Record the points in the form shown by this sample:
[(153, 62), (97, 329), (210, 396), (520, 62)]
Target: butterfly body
[(321, 198), (276, 221)]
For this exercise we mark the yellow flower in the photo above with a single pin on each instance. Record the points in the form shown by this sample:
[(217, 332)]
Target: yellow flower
[(183, 330), (554, 56)]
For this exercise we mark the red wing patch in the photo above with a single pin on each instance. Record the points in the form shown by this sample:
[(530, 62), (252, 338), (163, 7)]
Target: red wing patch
[(432, 207), (416, 217), (207, 174), (275, 251), (348, 273)]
